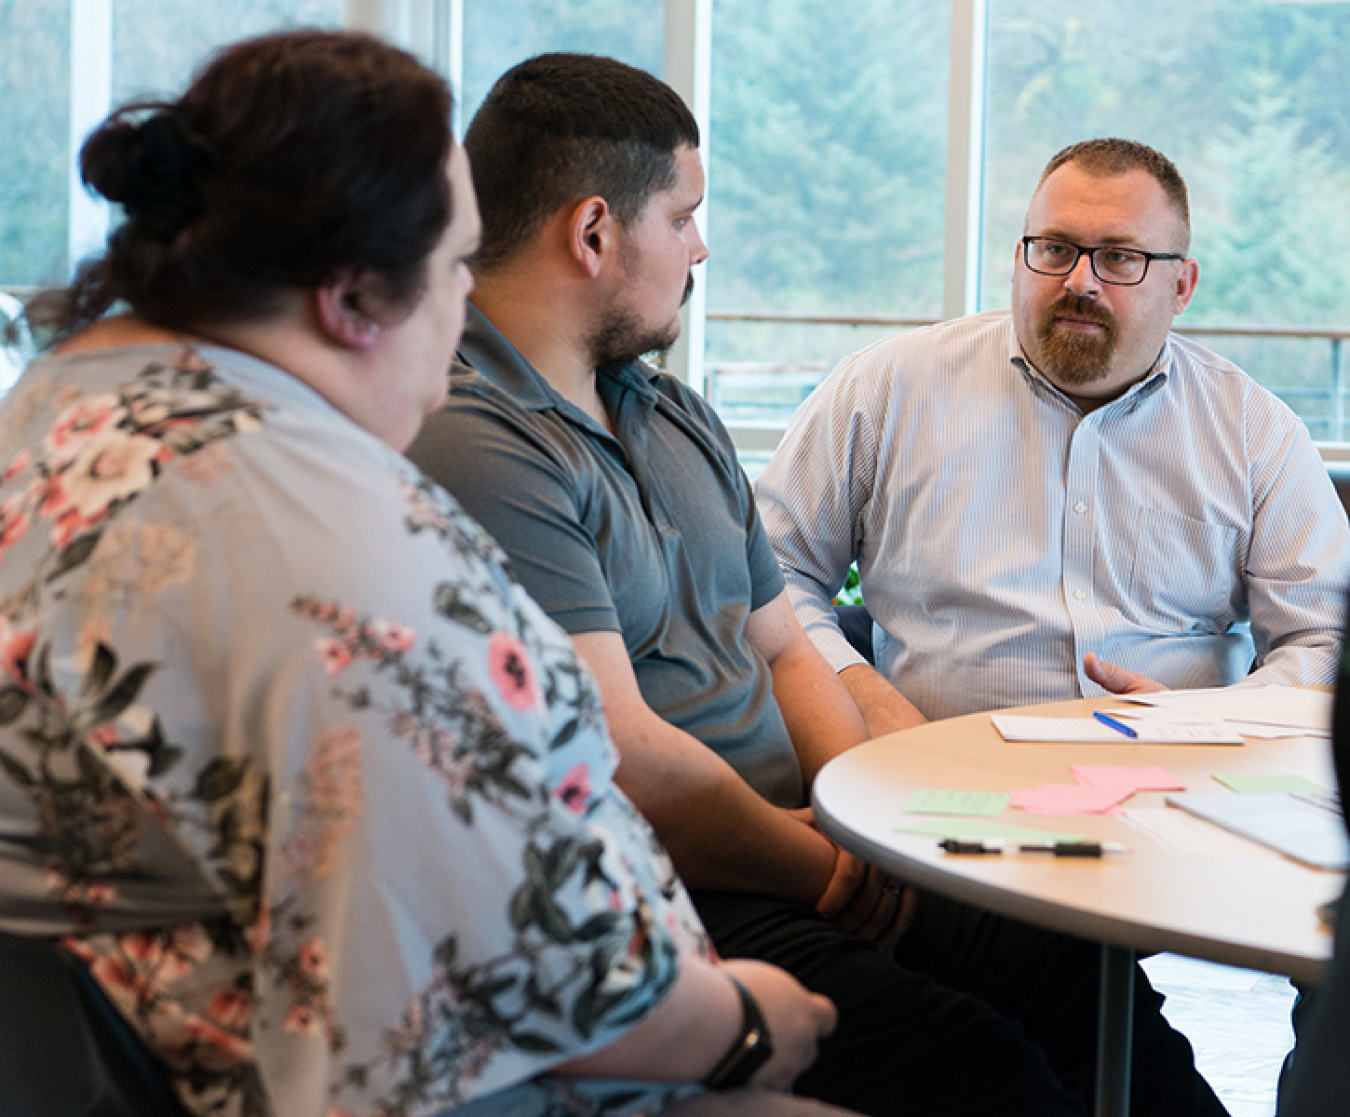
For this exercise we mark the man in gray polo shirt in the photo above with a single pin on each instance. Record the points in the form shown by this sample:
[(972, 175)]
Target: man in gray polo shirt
[(616, 493)]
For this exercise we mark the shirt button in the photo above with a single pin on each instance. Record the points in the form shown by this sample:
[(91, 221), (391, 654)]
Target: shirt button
[(1079, 508), (1079, 595)]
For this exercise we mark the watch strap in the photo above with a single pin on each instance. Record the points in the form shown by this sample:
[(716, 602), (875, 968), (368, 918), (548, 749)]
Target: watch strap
[(751, 1050)]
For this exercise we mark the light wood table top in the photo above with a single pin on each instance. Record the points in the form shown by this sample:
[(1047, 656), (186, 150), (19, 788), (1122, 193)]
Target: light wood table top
[(1236, 902)]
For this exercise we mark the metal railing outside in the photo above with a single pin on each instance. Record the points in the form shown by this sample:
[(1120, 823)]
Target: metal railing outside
[(757, 398)]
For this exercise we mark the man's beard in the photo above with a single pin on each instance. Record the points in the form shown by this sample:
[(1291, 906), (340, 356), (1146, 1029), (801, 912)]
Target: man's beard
[(1070, 356), (620, 338)]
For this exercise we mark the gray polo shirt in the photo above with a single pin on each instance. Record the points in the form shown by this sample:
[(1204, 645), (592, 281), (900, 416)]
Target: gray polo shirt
[(651, 533)]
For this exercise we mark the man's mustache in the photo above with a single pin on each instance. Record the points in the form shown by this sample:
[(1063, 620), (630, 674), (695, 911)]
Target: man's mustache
[(1077, 306)]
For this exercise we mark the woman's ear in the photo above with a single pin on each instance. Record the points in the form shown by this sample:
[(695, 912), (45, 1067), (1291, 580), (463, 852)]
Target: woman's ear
[(345, 308)]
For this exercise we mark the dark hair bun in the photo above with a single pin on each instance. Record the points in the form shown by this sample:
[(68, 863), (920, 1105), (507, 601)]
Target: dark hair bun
[(151, 166), (290, 159)]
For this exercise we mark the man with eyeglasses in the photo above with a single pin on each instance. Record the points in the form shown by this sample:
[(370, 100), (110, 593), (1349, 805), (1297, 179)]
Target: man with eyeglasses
[(1066, 499)]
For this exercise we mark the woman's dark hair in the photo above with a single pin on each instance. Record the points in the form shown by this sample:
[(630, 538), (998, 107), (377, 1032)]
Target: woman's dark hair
[(289, 158)]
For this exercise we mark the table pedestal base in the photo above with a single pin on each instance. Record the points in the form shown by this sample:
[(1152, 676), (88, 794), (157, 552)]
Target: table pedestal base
[(1115, 1032)]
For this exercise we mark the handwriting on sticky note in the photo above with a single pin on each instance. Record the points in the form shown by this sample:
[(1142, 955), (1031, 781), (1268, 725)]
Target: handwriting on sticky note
[(938, 801)]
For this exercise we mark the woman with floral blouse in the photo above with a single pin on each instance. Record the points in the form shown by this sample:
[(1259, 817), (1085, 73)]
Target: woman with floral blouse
[(319, 797)]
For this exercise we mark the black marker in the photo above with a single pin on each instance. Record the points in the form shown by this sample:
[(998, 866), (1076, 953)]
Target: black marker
[(1055, 849), (956, 845), (1073, 849)]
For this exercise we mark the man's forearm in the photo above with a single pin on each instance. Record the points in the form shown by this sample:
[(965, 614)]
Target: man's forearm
[(720, 833), (883, 708), (821, 716)]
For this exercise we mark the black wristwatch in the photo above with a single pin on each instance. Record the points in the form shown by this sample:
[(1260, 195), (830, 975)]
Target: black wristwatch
[(752, 1049)]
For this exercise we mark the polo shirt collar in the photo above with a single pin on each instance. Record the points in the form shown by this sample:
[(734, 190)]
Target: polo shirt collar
[(484, 349), (634, 376)]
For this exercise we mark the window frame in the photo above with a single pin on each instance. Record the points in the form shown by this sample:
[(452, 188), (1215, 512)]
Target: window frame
[(434, 30)]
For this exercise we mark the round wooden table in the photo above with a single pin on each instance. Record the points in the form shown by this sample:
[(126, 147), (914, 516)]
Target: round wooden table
[(1233, 901)]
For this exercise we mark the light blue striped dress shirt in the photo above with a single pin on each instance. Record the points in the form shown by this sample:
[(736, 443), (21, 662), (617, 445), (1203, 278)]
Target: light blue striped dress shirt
[(1180, 530)]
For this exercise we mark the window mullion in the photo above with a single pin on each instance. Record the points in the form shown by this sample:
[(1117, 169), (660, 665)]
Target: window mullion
[(91, 46)]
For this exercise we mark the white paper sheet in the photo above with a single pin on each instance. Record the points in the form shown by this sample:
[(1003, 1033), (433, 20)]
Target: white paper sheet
[(1293, 707), (1185, 834), (1286, 823), (1090, 730)]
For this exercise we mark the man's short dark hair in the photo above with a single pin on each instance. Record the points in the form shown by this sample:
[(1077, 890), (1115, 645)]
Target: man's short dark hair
[(1107, 157), (562, 127)]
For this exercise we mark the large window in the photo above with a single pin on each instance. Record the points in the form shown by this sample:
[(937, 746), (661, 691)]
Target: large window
[(827, 151), (826, 166)]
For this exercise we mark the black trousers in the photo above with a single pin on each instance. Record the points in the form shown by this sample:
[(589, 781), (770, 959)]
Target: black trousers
[(972, 1014)]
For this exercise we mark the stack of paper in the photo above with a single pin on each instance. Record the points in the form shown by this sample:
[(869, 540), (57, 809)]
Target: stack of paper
[(1254, 711), (1217, 716), (1286, 823), (1016, 728)]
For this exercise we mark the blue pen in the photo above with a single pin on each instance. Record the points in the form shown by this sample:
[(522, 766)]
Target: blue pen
[(1118, 726)]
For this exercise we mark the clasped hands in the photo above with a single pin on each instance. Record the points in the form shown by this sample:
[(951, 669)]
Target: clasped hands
[(862, 899)]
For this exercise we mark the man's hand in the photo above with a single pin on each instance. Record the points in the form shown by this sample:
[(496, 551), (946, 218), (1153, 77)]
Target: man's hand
[(797, 1020), (1116, 679), (864, 901)]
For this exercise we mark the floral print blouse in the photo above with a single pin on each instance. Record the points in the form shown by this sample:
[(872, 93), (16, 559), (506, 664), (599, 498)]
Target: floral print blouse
[(321, 798)]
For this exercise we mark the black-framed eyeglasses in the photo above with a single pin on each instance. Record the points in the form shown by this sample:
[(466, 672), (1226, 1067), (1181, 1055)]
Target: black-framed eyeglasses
[(1124, 267)]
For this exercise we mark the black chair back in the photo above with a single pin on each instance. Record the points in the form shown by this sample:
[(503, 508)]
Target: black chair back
[(856, 624), (64, 1050)]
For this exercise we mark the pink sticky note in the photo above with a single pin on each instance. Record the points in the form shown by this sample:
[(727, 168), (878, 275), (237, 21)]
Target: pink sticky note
[(1142, 778), (1069, 798)]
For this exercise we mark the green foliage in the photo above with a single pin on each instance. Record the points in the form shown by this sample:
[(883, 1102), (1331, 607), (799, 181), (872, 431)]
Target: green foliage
[(501, 33), (34, 142), (1275, 240), (826, 160), (851, 593)]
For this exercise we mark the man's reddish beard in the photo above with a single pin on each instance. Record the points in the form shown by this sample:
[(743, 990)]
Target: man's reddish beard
[(1071, 356)]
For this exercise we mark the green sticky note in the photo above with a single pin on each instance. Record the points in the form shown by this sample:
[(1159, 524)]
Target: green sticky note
[(936, 801), (983, 828), (1246, 784)]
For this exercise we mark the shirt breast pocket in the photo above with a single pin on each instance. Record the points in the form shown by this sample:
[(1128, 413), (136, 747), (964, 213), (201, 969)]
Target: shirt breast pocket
[(1185, 575)]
